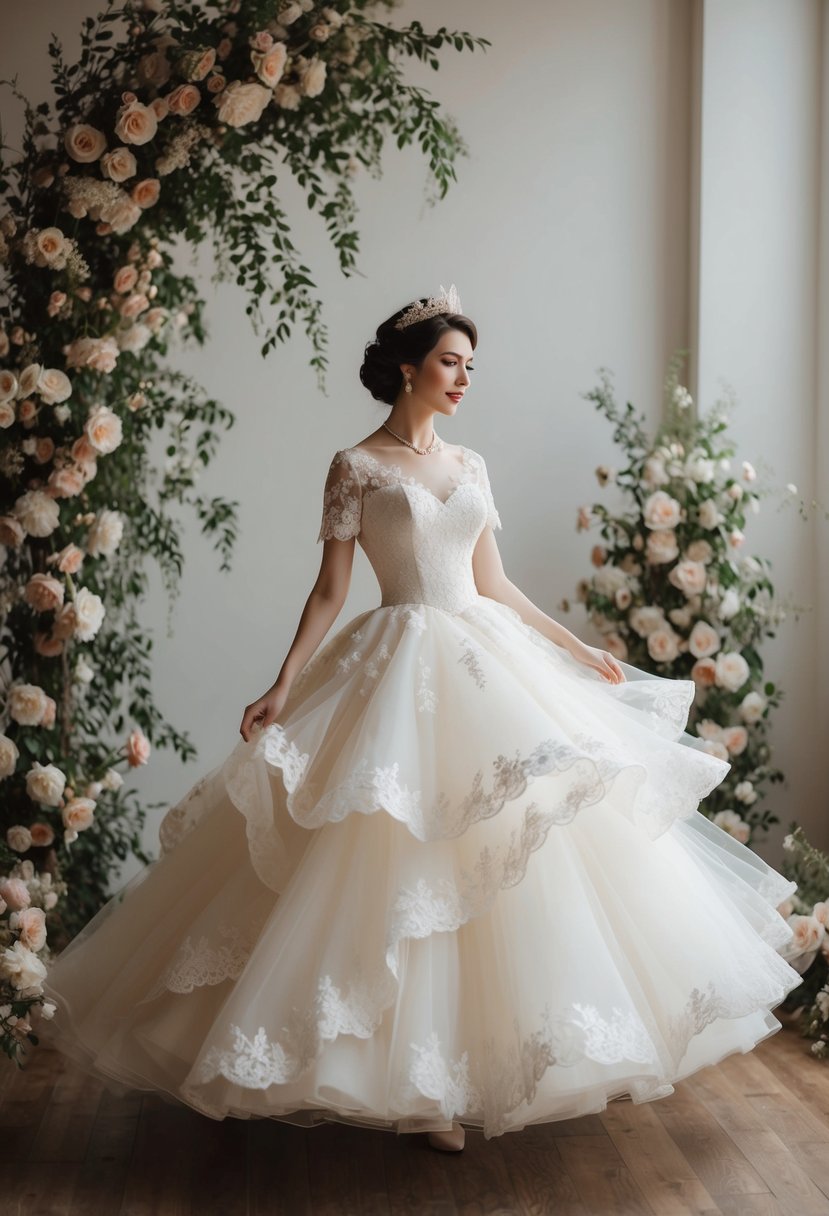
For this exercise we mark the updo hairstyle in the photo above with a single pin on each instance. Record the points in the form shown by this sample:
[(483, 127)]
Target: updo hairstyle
[(380, 371)]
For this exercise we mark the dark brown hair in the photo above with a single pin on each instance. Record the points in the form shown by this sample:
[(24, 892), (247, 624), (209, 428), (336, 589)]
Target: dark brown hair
[(380, 371)]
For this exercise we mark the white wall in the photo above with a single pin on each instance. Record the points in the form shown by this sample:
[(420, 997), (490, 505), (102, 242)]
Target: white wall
[(568, 235), (759, 308)]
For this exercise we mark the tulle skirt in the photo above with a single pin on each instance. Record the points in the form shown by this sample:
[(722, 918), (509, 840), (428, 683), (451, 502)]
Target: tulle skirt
[(462, 878)]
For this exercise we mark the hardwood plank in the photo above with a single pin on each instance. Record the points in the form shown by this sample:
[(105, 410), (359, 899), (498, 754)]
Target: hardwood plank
[(24, 1105), (749, 1205), (163, 1162), (481, 1182), (542, 1185), (101, 1179), (277, 1156), (602, 1178), (661, 1170), (346, 1173), (793, 1188), (711, 1153), (66, 1127), (418, 1180), (39, 1188), (797, 1069)]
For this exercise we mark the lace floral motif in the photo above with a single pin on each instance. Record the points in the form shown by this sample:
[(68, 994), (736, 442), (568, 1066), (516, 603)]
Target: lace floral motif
[(203, 964), (471, 659), (182, 817), (426, 696)]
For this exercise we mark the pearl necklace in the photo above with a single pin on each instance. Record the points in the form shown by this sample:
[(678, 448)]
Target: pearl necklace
[(420, 451)]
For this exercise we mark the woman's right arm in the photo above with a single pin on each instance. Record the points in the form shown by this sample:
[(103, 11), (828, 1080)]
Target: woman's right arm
[(322, 608)]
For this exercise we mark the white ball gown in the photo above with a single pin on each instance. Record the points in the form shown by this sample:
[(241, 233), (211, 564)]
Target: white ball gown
[(464, 878)]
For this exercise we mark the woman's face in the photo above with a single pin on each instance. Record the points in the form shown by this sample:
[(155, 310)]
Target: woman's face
[(443, 377)]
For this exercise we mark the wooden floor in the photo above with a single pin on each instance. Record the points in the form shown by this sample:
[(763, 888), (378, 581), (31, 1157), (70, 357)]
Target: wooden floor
[(747, 1137)]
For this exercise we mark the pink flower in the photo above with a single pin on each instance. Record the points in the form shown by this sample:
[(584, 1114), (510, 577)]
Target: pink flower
[(125, 279), (44, 592), (15, 892), (137, 748)]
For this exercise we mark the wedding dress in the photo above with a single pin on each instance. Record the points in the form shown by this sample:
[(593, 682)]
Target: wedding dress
[(465, 878)]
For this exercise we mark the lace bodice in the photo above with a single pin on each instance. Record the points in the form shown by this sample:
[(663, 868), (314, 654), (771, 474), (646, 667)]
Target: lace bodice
[(419, 544)]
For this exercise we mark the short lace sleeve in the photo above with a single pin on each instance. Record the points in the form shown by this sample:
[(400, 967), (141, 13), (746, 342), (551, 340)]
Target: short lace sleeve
[(341, 501), (493, 519)]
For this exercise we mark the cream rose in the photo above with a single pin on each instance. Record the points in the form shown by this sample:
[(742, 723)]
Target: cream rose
[(708, 515), (715, 747), (752, 707), (84, 143), (617, 645), (27, 704), (732, 670), (37, 512), (735, 739), (609, 579), (112, 779), (690, 577), (8, 385), (137, 124), (240, 104), (137, 747), (53, 385), (19, 838), (42, 835), (699, 551), (105, 534), (703, 640), (661, 547), (125, 279), (313, 77), (119, 165), (9, 755), (146, 192), (645, 620), (661, 510), (7, 414), (183, 100), (654, 472), (734, 824), (89, 614), (44, 592), (11, 532), (807, 936), (22, 968), (623, 598), (103, 428), (45, 783)]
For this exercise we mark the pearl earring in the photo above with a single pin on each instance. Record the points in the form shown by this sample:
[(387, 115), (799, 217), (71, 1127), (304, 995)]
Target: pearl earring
[(408, 385)]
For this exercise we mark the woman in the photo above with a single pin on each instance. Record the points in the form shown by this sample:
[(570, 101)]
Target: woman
[(454, 873)]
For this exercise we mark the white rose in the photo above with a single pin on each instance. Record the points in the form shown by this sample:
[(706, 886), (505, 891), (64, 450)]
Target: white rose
[(37, 512), (734, 824), (45, 783), (808, 933), (89, 614), (653, 473), (732, 670), (745, 793), (608, 580), (700, 468), (9, 755), (105, 534), (27, 704), (23, 968), (703, 641), (729, 605), (240, 104), (715, 747), (708, 515), (84, 674), (53, 385), (661, 510), (749, 473), (663, 645), (752, 707), (112, 779), (645, 620), (313, 78)]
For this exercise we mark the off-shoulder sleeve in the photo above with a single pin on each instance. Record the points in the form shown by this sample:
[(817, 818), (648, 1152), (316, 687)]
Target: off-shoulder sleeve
[(342, 500), (493, 519)]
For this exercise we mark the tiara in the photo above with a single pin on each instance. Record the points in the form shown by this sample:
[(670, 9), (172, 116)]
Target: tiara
[(447, 302)]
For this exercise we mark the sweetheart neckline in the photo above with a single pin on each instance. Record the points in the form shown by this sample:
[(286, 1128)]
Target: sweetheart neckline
[(410, 479)]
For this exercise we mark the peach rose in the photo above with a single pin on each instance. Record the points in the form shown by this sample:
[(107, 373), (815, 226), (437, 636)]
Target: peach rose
[(8, 385), (703, 640), (53, 385), (78, 814), (89, 614), (661, 547), (119, 165), (57, 299), (30, 923), (184, 99), (103, 429), (240, 104), (270, 64), (663, 645), (690, 577), (125, 279), (65, 621), (27, 411), (137, 124), (145, 193), (44, 449), (66, 481), (661, 510), (646, 619), (699, 551), (734, 824), (617, 645), (735, 739), (47, 645), (42, 834), (704, 673), (44, 592), (7, 414), (84, 143), (133, 304), (623, 598), (9, 755), (598, 555), (732, 671), (48, 719), (137, 748), (11, 531), (69, 559)]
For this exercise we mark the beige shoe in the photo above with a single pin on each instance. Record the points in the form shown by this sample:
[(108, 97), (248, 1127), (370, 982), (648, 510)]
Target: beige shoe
[(448, 1142)]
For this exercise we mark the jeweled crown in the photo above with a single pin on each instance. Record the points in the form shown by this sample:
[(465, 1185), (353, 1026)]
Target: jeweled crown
[(447, 302)]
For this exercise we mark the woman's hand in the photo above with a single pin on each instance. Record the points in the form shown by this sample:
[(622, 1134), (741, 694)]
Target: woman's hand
[(601, 661), (261, 713)]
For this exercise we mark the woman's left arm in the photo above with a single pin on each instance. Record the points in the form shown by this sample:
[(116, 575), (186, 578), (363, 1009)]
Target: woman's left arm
[(491, 581)]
